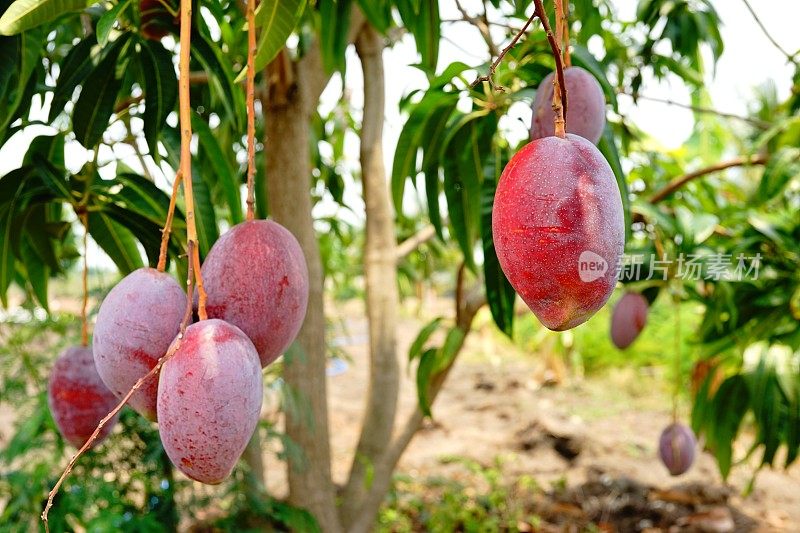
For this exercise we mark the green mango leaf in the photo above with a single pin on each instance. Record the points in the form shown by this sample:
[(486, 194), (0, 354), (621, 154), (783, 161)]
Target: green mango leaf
[(464, 166), (500, 295), (412, 138), (39, 238), (425, 333), (425, 370), (36, 272), (50, 148), (333, 33), (780, 169), (6, 251), (99, 91), (608, 148), (427, 33), (449, 350), (378, 13), (793, 423), (141, 195), (161, 90), (12, 187), (220, 78), (277, 20), (729, 406), (106, 22), (207, 231), (422, 18), (697, 227), (116, 241), (76, 66), (28, 48), (9, 61), (145, 230), (24, 15), (221, 167), (432, 138), (54, 179), (766, 400)]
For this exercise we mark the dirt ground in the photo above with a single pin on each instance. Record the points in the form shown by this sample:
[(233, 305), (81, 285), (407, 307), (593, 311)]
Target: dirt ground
[(600, 431), (493, 405)]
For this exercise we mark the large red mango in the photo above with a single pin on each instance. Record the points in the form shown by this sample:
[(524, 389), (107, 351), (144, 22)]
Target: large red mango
[(558, 229), (256, 278), (78, 398), (209, 400), (136, 323), (586, 106)]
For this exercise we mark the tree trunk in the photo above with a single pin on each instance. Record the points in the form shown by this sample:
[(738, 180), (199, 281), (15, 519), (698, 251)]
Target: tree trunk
[(288, 115), (364, 518), (382, 298)]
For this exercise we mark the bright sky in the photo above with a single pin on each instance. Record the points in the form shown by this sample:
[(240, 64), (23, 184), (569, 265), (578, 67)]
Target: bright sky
[(748, 61)]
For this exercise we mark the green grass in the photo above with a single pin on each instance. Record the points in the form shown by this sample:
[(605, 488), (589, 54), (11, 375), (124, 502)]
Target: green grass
[(594, 352)]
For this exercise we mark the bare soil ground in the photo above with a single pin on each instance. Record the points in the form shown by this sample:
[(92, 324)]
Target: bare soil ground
[(595, 437), (588, 434)]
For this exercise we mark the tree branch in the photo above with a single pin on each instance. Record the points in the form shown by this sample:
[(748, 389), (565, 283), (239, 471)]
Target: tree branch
[(380, 273), (697, 109), (789, 57), (482, 26), (383, 469), (412, 243), (680, 181)]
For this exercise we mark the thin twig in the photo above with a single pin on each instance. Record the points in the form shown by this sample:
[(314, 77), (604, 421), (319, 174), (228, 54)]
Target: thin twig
[(678, 366), (789, 57), (559, 78), (680, 181), (251, 110), (186, 153), (162, 254), (153, 372), (503, 52), (565, 31), (503, 25), (481, 25), (84, 319), (699, 109), (559, 85)]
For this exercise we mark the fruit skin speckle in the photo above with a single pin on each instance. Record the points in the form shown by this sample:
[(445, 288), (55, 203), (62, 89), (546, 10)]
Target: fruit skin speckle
[(209, 400), (557, 203), (136, 323), (586, 106), (256, 278), (78, 398)]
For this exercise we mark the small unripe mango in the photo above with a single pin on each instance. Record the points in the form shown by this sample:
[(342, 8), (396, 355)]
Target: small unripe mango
[(676, 448)]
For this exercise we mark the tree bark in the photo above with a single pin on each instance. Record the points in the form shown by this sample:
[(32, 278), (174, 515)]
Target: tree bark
[(382, 298), (291, 102), (364, 518)]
